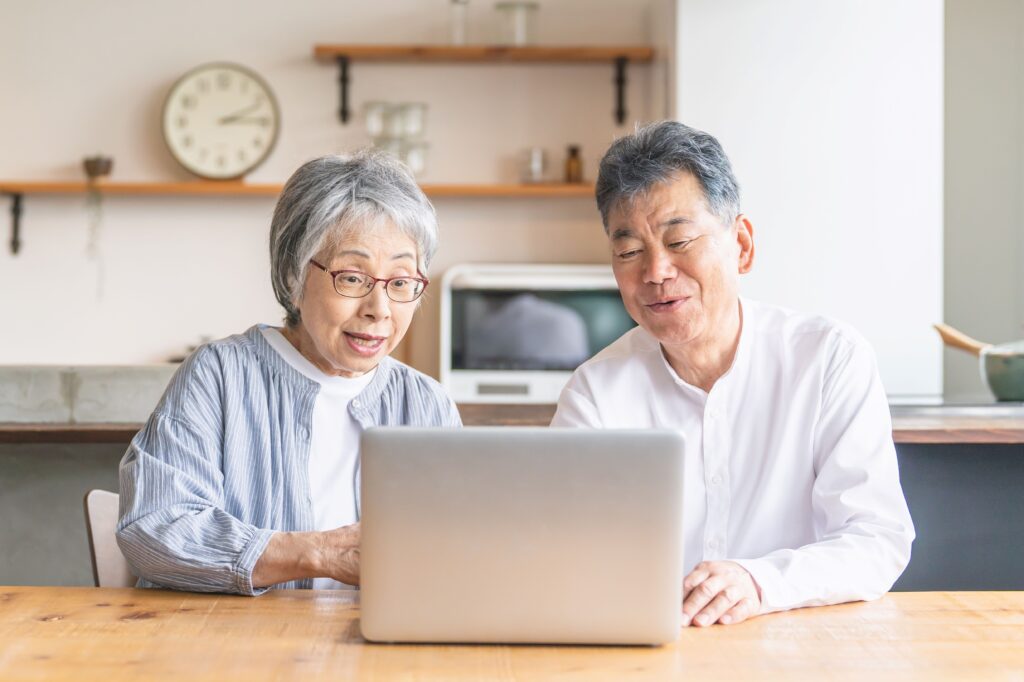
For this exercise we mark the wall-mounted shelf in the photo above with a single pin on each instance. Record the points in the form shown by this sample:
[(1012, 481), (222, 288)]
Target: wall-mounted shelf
[(17, 191), (619, 56)]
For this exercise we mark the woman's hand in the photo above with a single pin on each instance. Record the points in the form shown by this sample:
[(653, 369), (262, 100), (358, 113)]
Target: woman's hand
[(340, 554), (315, 554)]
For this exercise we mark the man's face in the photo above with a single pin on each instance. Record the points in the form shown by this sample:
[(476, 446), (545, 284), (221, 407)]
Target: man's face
[(677, 264)]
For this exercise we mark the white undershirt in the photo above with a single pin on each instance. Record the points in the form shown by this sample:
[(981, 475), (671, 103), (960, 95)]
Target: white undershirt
[(333, 446), (790, 465)]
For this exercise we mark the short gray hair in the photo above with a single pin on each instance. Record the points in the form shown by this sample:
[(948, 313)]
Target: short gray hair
[(658, 152), (327, 199)]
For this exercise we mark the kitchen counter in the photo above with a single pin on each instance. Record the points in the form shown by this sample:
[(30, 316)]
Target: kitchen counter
[(934, 424)]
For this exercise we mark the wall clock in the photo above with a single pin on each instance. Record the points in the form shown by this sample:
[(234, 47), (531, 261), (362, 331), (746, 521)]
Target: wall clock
[(220, 121)]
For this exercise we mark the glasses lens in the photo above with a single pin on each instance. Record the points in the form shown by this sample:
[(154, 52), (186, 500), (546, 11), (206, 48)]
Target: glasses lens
[(351, 284), (405, 290)]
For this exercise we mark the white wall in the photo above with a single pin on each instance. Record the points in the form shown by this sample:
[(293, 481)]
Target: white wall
[(831, 113), (81, 78), (984, 178)]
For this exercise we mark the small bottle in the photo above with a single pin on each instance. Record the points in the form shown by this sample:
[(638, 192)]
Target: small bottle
[(459, 9), (573, 165)]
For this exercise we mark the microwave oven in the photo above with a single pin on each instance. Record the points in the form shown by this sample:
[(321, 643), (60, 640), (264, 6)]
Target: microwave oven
[(515, 333)]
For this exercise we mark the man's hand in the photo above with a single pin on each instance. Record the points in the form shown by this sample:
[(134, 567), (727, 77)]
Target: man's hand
[(339, 554), (719, 592)]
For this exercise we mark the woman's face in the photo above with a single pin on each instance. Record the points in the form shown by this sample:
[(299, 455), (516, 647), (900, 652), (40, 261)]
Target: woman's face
[(349, 336)]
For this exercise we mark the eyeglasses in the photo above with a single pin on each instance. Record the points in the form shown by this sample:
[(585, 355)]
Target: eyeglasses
[(355, 284)]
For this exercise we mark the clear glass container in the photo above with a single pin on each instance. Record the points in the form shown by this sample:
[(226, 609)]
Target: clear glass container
[(459, 10), (516, 25), (377, 118), (533, 165), (414, 154), (413, 119)]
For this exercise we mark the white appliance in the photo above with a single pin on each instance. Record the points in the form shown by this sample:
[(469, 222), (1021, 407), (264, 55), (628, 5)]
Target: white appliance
[(515, 333)]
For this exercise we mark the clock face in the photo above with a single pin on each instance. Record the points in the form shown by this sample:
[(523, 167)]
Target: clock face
[(220, 121)]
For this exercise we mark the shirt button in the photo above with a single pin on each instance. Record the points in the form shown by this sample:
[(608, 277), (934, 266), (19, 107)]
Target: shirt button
[(716, 479), (303, 432), (355, 403)]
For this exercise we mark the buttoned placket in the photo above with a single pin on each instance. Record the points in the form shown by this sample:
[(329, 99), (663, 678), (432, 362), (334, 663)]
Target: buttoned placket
[(716, 446)]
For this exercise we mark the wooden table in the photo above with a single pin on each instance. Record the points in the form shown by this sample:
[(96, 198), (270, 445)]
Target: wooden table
[(126, 634)]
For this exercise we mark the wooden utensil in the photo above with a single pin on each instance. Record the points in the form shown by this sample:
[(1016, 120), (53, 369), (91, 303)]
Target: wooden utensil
[(955, 338)]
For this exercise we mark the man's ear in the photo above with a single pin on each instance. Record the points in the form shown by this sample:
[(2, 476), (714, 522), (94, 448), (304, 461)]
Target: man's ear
[(745, 239)]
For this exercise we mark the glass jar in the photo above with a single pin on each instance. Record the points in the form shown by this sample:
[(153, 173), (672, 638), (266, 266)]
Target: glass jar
[(516, 26)]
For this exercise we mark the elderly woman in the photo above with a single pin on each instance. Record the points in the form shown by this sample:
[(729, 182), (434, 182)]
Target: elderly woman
[(247, 473)]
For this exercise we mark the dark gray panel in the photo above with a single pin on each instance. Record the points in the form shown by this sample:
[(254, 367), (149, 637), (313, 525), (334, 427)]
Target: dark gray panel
[(968, 507)]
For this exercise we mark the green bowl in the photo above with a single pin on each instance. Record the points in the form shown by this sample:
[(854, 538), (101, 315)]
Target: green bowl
[(1002, 368)]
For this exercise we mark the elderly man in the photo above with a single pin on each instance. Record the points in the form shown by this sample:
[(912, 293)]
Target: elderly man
[(792, 493)]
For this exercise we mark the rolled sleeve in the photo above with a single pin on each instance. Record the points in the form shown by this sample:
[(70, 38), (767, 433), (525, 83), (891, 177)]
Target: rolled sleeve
[(173, 528)]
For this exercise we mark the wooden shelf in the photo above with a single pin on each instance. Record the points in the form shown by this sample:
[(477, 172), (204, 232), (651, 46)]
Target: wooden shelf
[(483, 53), (208, 188), (198, 188), (616, 55), (194, 188)]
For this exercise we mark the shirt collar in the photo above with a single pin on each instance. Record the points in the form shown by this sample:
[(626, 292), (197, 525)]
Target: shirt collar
[(270, 357), (738, 361)]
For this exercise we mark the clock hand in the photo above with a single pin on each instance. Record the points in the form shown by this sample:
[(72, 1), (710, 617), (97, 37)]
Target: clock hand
[(263, 120), (238, 114)]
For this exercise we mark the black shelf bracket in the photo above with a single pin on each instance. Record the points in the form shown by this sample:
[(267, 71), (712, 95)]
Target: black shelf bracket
[(620, 89), (343, 110), (16, 199)]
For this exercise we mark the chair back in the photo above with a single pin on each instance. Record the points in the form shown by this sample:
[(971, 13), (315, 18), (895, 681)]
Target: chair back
[(109, 567)]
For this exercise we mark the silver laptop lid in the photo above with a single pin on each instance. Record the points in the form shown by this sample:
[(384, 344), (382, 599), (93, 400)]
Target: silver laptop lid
[(521, 535)]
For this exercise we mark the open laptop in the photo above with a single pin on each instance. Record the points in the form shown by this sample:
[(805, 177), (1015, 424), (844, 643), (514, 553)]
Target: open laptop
[(521, 535)]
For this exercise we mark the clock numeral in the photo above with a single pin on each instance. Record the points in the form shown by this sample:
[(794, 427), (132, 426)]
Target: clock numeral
[(203, 153), (188, 101), (257, 142), (221, 161), (182, 121), (223, 81), (241, 155), (244, 85), (203, 85), (186, 141)]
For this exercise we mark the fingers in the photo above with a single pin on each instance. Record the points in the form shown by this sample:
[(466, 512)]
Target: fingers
[(699, 574), (700, 595), (723, 602), (719, 592), (743, 609)]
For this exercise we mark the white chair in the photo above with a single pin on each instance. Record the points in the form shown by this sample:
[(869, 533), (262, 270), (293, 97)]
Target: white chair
[(109, 568)]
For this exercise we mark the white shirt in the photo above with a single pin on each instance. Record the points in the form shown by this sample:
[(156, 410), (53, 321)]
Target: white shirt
[(333, 444), (790, 465)]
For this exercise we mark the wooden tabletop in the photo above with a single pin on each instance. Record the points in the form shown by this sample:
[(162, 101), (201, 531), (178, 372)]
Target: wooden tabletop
[(126, 634)]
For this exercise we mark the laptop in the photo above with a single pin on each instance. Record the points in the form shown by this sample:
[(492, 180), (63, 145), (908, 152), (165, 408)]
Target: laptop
[(521, 535)]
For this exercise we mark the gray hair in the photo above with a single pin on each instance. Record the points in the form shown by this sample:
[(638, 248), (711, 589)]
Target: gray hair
[(658, 152), (328, 199)]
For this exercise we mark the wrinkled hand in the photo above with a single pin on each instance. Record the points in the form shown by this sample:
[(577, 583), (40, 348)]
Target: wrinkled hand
[(339, 552), (719, 592)]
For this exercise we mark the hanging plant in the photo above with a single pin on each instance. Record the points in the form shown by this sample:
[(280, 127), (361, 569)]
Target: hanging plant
[(96, 167)]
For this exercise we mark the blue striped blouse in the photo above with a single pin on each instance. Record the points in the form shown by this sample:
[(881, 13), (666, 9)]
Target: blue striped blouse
[(222, 463)]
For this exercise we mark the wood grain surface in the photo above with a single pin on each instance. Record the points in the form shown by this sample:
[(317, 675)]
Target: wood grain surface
[(484, 53), (59, 633), (235, 188)]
